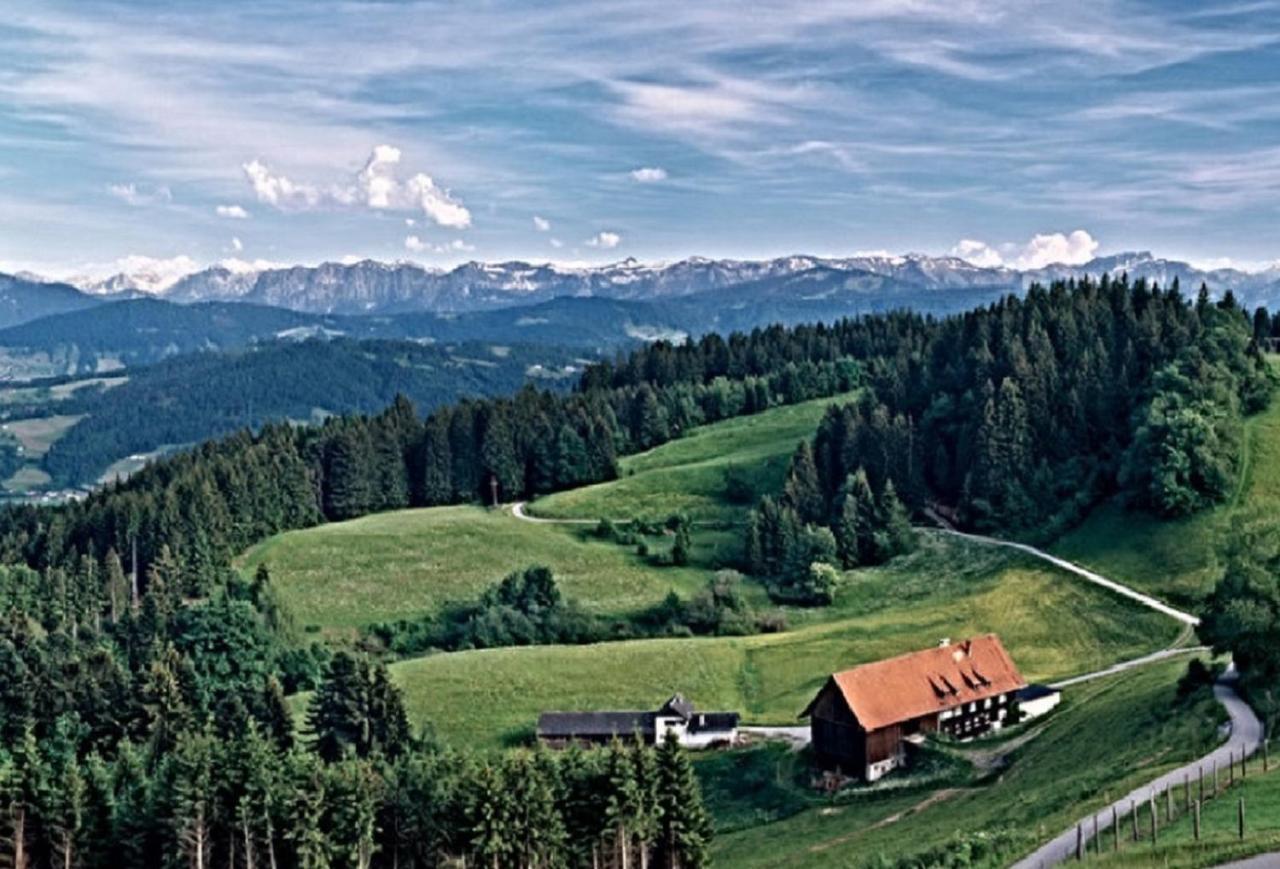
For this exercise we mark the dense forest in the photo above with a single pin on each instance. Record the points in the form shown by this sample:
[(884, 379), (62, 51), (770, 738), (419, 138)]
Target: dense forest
[(1018, 418), (199, 396), (142, 681)]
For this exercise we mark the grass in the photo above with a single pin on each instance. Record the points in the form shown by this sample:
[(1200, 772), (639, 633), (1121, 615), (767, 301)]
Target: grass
[(688, 475), (1178, 559), (408, 563), (37, 435), (948, 589), (1106, 737), (1176, 846)]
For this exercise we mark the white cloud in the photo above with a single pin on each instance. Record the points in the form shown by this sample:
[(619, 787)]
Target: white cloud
[(541, 224), (605, 239), (244, 267), (557, 243), (231, 212), (979, 253), (279, 190), (236, 244), (1073, 248), (1044, 249), (376, 186), (136, 196), (417, 245), (649, 174), (409, 221)]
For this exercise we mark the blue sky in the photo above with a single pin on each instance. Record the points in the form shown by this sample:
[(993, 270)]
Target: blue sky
[(439, 132)]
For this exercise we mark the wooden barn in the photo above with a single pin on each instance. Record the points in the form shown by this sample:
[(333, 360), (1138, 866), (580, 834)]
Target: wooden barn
[(863, 719)]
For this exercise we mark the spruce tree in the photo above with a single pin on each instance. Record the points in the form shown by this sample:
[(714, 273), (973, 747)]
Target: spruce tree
[(802, 490), (684, 829)]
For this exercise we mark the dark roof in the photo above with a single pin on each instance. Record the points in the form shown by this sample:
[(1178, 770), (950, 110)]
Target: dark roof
[(587, 724), (567, 725), (677, 705), (1035, 692), (713, 721), (920, 683)]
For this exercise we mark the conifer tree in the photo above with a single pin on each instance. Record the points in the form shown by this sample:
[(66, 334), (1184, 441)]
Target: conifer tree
[(684, 830), (802, 491)]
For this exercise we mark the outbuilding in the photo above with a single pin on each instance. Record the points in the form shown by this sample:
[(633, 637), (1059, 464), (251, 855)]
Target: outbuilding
[(864, 718), (691, 728)]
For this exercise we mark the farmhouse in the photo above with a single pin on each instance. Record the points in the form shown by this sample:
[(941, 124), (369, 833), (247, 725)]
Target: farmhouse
[(677, 716), (863, 719)]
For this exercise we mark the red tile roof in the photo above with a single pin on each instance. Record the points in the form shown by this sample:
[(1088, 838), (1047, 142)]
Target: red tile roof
[(921, 683)]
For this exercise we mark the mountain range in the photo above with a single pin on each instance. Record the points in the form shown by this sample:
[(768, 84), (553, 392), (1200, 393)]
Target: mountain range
[(370, 286), (54, 329)]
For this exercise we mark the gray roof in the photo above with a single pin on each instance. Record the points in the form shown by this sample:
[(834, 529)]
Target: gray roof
[(572, 724)]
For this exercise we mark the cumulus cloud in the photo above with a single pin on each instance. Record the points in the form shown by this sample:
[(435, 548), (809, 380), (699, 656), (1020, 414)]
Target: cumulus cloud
[(1073, 248), (557, 243), (979, 253), (604, 239), (417, 245), (231, 212), (541, 224), (1044, 249), (139, 196), (649, 174), (236, 244), (377, 186)]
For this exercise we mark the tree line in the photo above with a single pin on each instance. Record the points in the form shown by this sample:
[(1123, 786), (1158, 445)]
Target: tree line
[(1019, 417)]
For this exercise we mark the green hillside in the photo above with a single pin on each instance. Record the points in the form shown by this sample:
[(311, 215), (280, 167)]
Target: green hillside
[(1053, 625), (689, 474), (1175, 559), (1107, 737), (409, 562)]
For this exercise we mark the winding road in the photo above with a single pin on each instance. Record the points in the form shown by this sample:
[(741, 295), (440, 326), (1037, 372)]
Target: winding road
[(1246, 735), (1246, 730)]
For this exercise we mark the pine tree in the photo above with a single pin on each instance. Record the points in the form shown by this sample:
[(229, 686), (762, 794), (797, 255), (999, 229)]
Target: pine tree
[(193, 802), (437, 480), (802, 491), (684, 829)]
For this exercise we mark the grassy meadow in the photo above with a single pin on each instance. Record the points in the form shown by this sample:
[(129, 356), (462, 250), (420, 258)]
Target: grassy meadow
[(688, 475), (948, 589), (1107, 737)]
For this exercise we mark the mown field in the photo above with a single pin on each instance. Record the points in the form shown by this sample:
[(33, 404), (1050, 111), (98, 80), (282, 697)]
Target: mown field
[(1053, 626), (1177, 559), (408, 563), (1106, 737), (688, 475)]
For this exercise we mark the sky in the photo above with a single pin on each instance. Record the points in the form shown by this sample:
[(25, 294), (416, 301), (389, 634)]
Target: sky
[(284, 131)]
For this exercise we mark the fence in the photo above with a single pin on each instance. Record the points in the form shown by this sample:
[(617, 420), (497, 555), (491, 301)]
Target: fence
[(1210, 807)]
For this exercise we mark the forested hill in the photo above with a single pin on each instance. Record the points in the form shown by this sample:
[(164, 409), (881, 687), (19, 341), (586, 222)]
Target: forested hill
[(199, 396)]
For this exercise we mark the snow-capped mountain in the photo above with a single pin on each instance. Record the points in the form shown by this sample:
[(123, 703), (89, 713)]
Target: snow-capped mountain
[(370, 286)]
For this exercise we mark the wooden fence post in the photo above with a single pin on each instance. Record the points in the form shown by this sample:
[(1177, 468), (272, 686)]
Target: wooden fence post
[(1155, 820), (1242, 818), (1201, 785), (1080, 841), (1133, 814), (1266, 761), (1186, 791), (1195, 825), (1244, 761), (1168, 805), (1097, 839), (1231, 768), (1215, 778), (1115, 825)]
